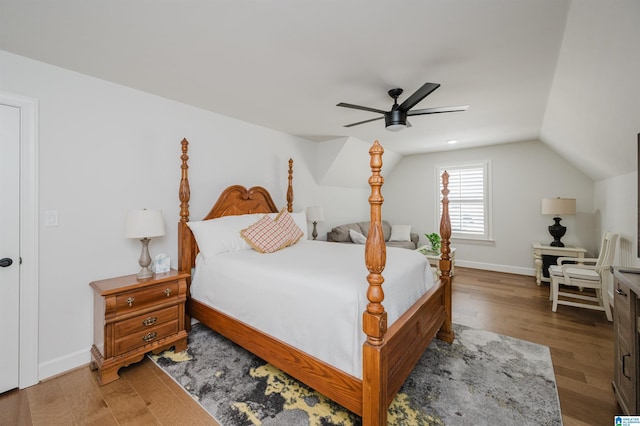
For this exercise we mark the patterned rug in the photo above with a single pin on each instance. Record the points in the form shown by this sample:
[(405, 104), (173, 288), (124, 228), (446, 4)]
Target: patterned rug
[(483, 378)]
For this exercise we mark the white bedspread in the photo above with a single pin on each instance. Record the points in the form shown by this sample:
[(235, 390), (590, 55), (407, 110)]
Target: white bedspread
[(311, 295)]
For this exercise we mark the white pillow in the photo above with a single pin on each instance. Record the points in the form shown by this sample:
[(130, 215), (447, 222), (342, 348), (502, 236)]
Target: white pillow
[(301, 220), (220, 235), (357, 237), (400, 233)]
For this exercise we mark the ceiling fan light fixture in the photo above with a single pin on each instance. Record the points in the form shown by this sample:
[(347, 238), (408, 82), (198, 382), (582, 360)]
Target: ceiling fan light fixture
[(395, 127), (395, 121), (396, 118)]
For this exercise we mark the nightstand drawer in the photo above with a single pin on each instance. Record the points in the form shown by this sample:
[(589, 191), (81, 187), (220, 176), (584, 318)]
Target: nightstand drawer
[(142, 338), (145, 322), (139, 299), (622, 299)]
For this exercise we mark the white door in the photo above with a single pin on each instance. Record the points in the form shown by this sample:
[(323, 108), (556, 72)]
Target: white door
[(9, 245)]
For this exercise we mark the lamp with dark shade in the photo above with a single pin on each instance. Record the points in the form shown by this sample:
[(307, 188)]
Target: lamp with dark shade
[(144, 224), (315, 214), (558, 207)]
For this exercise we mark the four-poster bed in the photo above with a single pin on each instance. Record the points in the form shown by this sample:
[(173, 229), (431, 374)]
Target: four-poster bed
[(389, 352)]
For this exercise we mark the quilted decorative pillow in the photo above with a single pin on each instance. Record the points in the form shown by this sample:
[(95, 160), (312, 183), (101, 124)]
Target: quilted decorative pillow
[(266, 236), (288, 224), (300, 218)]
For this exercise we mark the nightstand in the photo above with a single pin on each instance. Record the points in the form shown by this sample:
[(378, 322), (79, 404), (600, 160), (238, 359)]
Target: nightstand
[(134, 317), (434, 259)]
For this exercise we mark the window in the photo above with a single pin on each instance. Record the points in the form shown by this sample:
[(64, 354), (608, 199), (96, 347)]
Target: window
[(468, 199)]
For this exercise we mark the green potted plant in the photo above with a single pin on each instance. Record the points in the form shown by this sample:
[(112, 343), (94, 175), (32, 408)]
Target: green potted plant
[(434, 239)]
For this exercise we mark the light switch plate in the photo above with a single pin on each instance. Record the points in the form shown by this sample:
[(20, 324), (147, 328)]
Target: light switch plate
[(50, 218)]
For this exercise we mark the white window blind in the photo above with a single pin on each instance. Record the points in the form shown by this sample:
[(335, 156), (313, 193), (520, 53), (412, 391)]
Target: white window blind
[(468, 199)]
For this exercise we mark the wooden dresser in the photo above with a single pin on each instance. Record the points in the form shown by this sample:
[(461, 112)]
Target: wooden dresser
[(134, 317), (626, 326)]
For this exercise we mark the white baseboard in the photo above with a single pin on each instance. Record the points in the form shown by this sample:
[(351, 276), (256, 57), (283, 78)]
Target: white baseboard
[(497, 268), (63, 364)]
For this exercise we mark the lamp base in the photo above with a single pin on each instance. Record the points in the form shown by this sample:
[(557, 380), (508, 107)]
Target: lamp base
[(314, 234), (557, 231), (144, 274), (144, 261)]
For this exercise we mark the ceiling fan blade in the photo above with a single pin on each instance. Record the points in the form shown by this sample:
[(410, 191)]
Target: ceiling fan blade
[(438, 110), (362, 122), (418, 95), (342, 104)]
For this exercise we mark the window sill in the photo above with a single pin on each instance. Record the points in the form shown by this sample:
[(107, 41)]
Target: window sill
[(470, 240)]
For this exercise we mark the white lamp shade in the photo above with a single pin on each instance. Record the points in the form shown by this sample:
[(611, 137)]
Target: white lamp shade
[(315, 214), (144, 224), (559, 206)]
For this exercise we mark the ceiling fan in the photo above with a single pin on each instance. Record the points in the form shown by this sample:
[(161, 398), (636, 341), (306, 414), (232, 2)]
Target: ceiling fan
[(396, 118)]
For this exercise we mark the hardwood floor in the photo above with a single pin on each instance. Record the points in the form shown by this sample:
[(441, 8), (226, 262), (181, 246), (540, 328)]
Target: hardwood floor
[(581, 344), (143, 395), (580, 340)]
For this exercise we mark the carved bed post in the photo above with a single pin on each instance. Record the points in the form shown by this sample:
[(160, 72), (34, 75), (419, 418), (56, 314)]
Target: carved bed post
[(186, 241), (290, 188), (374, 320), (446, 331), (185, 245)]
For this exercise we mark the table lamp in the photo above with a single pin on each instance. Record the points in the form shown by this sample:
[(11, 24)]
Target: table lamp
[(315, 215), (144, 224), (558, 206)]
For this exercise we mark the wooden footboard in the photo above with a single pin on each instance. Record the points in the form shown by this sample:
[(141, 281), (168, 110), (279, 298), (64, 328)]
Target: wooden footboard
[(415, 330), (388, 355), (324, 378)]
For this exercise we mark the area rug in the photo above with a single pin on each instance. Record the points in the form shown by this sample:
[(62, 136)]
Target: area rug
[(483, 378)]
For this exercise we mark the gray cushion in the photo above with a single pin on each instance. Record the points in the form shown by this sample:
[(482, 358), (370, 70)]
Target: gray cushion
[(340, 234), (386, 229)]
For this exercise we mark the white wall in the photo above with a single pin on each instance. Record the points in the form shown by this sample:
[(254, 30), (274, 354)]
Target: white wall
[(616, 206), (106, 149), (592, 112), (521, 175), (616, 210)]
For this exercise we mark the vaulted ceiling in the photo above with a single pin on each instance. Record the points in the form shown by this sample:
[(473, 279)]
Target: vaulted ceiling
[(559, 71)]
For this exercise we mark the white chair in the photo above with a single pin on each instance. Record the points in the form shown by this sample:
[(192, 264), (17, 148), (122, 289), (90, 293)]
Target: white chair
[(584, 273)]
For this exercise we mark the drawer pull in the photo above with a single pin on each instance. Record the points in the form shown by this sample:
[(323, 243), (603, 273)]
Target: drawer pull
[(149, 321), (168, 292), (149, 336), (624, 367), (130, 301), (620, 292)]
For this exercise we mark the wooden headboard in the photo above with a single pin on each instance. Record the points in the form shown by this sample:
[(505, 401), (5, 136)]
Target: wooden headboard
[(235, 200)]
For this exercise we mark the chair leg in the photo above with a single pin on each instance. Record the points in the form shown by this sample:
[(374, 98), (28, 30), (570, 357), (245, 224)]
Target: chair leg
[(555, 285), (604, 299)]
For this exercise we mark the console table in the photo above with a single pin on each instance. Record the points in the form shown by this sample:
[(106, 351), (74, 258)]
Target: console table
[(540, 249)]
